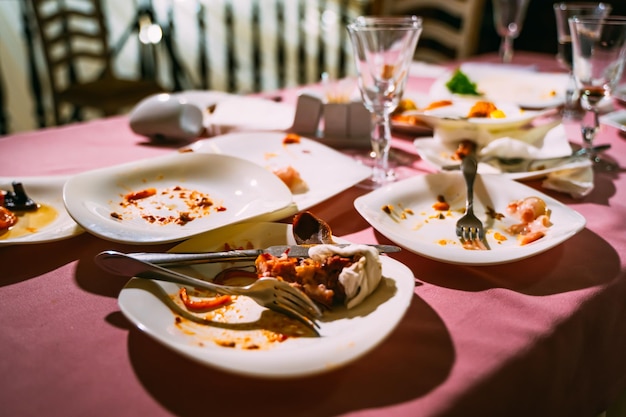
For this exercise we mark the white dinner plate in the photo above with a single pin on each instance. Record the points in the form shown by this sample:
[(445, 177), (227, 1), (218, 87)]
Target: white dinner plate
[(326, 171), (224, 112), (416, 226), (56, 222), (454, 116), (345, 335), (238, 190), (520, 85)]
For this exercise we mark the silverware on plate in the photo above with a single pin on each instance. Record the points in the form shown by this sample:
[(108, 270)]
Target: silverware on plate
[(292, 251), (268, 292), (469, 228)]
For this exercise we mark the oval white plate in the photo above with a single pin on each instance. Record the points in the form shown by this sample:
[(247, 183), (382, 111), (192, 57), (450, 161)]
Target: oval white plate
[(454, 116), (520, 85), (424, 233), (326, 171), (345, 335), (48, 191), (243, 188)]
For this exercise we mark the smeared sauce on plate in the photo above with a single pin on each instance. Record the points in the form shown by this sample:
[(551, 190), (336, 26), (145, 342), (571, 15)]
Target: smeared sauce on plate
[(30, 222)]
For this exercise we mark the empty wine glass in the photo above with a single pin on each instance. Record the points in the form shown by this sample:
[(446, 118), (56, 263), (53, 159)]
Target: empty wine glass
[(562, 12), (599, 56), (508, 17), (383, 50)]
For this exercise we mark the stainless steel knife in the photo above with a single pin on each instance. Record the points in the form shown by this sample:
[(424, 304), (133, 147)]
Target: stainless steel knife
[(293, 251)]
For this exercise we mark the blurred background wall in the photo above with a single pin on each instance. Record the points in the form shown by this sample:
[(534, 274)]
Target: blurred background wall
[(315, 16)]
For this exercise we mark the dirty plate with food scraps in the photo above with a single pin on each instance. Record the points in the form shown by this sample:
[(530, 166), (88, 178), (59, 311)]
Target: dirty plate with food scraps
[(174, 197), (404, 213), (455, 116), (246, 339), (402, 121), (50, 222), (324, 171), (521, 85)]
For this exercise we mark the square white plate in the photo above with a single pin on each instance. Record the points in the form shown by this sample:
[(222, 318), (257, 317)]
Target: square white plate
[(326, 171), (345, 335), (242, 189), (422, 231)]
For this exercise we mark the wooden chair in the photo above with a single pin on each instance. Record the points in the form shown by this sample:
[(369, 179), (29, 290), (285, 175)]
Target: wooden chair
[(451, 27), (74, 39)]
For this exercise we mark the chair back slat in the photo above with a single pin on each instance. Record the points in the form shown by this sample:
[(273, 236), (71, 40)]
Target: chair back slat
[(451, 27)]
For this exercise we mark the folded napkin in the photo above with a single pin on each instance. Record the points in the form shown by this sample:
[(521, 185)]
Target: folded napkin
[(577, 182), (547, 140), (224, 112)]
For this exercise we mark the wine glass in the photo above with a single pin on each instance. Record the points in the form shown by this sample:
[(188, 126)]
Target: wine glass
[(599, 56), (508, 17), (562, 12), (383, 50)]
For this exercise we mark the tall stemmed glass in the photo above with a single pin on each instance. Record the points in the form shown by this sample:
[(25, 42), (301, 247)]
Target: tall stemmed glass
[(599, 56), (508, 17), (383, 50), (562, 12)]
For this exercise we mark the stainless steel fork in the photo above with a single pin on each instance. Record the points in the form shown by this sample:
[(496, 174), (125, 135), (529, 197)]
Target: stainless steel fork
[(268, 292), (469, 228)]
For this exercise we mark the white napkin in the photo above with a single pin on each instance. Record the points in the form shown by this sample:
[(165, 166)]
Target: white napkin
[(545, 141), (239, 113), (577, 182)]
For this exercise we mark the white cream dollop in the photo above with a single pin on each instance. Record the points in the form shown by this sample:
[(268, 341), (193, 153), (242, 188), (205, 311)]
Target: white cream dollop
[(359, 279)]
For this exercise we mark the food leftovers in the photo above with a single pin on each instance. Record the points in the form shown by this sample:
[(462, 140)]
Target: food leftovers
[(173, 205), (13, 205), (292, 179), (534, 217), (526, 219), (485, 109), (332, 275)]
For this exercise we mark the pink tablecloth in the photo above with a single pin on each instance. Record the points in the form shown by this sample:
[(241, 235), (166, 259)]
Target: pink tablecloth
[(539, 337)]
